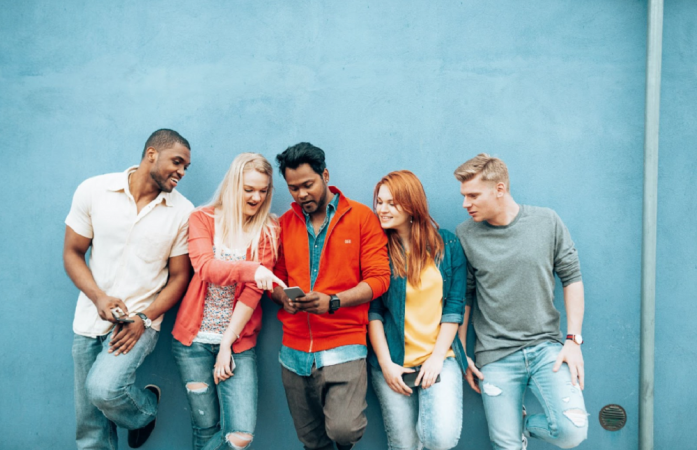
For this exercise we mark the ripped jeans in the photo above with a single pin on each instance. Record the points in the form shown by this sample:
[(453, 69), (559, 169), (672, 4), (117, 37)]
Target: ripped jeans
[(217, 411), (564, 423)]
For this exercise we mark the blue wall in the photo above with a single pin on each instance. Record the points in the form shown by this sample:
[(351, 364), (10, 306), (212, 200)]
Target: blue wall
[(554, 88)]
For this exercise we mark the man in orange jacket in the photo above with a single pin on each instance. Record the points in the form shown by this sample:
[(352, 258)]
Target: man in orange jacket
[(333, 249)]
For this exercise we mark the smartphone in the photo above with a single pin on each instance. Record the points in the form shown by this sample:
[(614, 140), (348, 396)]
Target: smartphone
[(120, 316), (410, 379), (294, 292)]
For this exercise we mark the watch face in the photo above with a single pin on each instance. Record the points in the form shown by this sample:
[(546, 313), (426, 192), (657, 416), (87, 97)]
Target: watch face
[(146, 320), (334, 304), (578, 339)]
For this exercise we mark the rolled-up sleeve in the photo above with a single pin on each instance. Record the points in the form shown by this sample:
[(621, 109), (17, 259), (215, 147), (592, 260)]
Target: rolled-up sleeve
[(377, 309)]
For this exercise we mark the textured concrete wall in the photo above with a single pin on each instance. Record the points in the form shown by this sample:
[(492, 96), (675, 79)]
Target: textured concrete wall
[(555, 88)]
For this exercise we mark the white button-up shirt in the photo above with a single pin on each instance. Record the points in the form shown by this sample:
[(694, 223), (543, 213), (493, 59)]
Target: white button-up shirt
[(130, 250)]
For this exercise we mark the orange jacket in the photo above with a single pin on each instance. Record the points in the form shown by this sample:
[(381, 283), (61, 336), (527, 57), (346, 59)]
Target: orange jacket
[(207, 269), (355, 250)]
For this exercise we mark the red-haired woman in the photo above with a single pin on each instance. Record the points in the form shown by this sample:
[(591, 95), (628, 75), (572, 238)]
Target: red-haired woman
[(413, 326)]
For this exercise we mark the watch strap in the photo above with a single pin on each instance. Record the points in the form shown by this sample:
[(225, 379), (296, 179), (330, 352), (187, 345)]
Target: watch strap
[(334, 304), (572, 337), (146, 320)]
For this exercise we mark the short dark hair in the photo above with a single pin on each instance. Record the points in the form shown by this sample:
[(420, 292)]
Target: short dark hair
[(302, 153), (164, 138)]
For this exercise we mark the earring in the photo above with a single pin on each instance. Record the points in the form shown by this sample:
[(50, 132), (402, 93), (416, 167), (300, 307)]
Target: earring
[(411, 220)]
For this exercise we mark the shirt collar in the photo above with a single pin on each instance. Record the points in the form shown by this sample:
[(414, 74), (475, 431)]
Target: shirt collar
[(120, 183)]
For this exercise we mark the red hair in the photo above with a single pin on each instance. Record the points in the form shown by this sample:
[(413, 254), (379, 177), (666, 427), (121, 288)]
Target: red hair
[(426, 243)]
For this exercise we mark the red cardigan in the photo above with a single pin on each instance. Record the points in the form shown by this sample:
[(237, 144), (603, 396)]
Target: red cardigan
[(207, 269), (355, 250)]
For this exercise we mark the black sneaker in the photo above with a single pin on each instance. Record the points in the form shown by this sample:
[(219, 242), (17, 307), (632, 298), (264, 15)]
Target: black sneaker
[(137, 438)]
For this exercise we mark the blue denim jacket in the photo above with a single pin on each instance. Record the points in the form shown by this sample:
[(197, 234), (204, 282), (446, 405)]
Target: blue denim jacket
[(390, 307)]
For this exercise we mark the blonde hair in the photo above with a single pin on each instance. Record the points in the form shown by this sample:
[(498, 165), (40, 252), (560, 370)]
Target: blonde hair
[(490, 167), (228, 206)]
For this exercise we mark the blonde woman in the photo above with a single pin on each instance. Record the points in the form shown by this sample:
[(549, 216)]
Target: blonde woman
[(219, 319)]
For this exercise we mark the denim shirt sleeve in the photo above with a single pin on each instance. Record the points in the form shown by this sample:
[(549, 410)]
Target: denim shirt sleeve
[(454, 307), (376, 311)]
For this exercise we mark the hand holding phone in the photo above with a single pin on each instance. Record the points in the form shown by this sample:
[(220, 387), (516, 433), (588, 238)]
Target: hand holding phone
[(294, 292), (410, 379), (120, 316)]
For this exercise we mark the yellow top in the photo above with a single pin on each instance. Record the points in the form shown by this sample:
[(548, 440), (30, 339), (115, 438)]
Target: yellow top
[(423, 311)]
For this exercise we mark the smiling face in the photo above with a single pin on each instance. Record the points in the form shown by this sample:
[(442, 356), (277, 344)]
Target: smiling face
[(308, 188), (482, 199), (255, 189), (391, 215), (169, 166)]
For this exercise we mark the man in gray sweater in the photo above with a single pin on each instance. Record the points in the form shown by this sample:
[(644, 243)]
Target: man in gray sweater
[(513, 252)]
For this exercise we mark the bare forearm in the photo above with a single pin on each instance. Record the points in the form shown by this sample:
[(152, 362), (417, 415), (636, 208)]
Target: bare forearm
[(376, 334), (462, 330), (168, 296), (277, 295), (240, 316), (361, 293), (81, 275), (574, 303), (446, 335)]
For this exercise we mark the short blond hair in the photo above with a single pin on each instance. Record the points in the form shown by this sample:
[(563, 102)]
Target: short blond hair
[(490, 167)]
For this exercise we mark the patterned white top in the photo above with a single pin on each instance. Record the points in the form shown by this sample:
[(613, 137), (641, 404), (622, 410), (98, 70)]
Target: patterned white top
[(219, 302)]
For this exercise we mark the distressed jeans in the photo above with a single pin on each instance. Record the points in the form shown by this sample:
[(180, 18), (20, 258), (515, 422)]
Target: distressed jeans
[(216, 411), (564, 422), (429, 417), (105, 392)]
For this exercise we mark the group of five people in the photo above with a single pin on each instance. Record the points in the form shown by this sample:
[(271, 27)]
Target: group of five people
[(388, 275)]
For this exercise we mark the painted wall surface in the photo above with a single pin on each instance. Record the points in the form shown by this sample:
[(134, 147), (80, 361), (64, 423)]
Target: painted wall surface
[(554, 88)]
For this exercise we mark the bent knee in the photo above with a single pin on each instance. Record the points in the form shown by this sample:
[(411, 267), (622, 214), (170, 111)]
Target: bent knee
[(575, 428), (100, 392), (238, 440), (346, 433)]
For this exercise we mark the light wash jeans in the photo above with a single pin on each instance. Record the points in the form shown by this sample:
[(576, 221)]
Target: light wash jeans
[(564, 422), (105, 394), (216, 411), (430, 418)]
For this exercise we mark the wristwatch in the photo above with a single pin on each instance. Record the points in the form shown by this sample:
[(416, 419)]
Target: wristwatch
[(147, 322), (577, 338), (334, 304)]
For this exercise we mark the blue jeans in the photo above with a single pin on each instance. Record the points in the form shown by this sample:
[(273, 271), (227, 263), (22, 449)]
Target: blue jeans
[(564, 422), (216, 411), (105, 394), (429, 417)]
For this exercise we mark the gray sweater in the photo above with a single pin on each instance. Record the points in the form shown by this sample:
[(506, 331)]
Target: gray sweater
[(510, 280)]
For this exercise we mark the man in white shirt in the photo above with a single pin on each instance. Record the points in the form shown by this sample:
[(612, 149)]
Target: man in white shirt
[(136, 224)]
